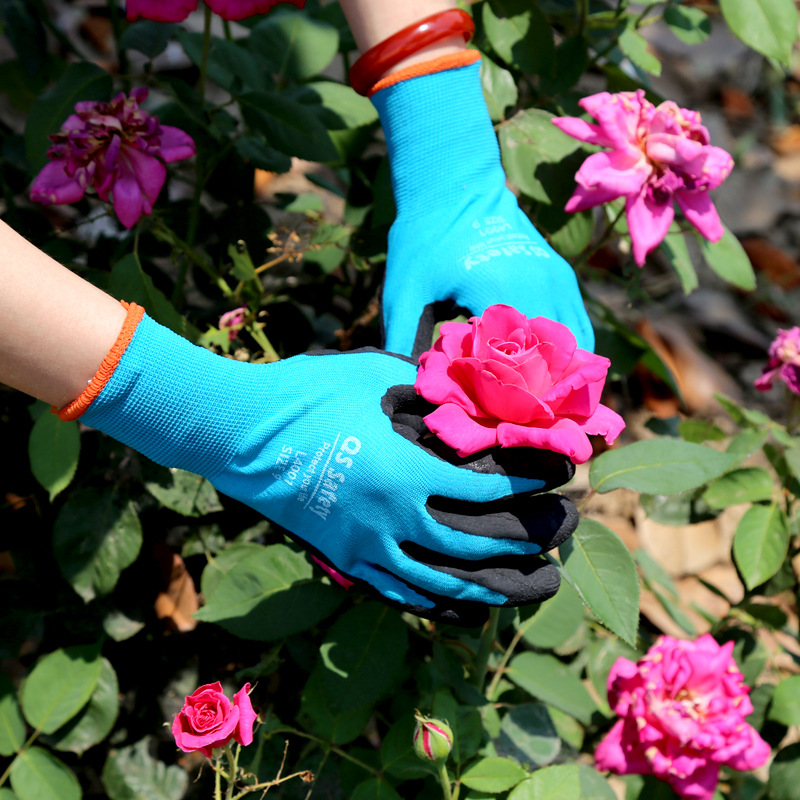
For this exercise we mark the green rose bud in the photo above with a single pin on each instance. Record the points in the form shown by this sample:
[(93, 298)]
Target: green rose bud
[(433, 739)]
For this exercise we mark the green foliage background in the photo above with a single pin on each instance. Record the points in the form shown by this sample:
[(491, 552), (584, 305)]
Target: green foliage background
[(91, 534)]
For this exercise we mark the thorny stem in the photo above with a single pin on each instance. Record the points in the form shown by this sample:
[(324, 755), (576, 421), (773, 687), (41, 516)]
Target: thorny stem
[(501, 667), (485, 648), (584, 257), (329, 746), (445, 780)]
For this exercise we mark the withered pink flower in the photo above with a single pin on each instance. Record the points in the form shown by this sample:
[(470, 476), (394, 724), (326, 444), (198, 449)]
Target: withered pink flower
[(683, 708), (657, 155), (178, 10), (118, 149), (503, 379), (784, 361), (233, 321), (209, 719)]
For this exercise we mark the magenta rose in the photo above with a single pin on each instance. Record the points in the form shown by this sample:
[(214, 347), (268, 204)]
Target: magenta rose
[(178, 10), (503, 379), (208, 719), (683, 710)]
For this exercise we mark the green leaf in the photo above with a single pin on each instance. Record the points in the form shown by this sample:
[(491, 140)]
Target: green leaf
[(81, 81), (181, 491), (271, 594), (362, 655), (294, 45), (792, 457), (227, 62), (572, 238), (374, 789), (530, 146), (219, 566), (601, 655), (96, 719), (324, 719), (59, 686), (288, 126), (545, 677), (253, 150), (744, 485), (728, 259), (555, 620), (744, 444), (528, 736), (12, 725), (701, 430), (571, 61), (499, 88), (129, 282), (675, 250), (746, 417), (691, 25), (133, 774), (7, 794), (147, 37), (95, 536), (768, 26), (785, 707), (601, 569), (493, 775), (658, 466), (38, 775), (593, 785), (660, 584), (53, 448), (21, 25), (760, 543), (637, 49), (464, 721), (562, 782), (784, 774), (520, 34), (346, 108)]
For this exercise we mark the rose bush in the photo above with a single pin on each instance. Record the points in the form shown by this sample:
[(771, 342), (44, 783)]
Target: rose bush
[(683, 708), (658, 154), (209, 719), (503, 379)]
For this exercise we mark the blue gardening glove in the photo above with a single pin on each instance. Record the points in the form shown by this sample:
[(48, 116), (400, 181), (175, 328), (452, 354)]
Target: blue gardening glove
[(459, 235), (332, 447)]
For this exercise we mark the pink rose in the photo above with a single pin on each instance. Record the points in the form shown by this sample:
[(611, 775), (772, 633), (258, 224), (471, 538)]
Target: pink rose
[(784, 362), (178, 10), (208, 719), (656, 156), (683, 708), (503, 379)]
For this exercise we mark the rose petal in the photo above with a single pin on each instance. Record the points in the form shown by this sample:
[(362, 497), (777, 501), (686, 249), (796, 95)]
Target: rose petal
[(563, 436), (584, 198), (648, 222), (439, 381), (247, 716), (176, 144), (584, 131), (160, 10), (465, 434), (240, 9), (615, 171), (53, 185), (505, 401), (700, 212)]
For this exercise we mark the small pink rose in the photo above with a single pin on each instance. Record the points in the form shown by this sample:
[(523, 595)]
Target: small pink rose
[(503, 379), (784, 362), (209, 719)]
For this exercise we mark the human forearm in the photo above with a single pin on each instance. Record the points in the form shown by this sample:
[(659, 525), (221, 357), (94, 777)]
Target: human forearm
[(373, 21), (55, 328)]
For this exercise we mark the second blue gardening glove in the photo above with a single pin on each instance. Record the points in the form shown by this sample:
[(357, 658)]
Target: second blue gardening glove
[(459, 236)]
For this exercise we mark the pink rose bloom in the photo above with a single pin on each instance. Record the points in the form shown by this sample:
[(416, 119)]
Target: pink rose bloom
[(178, 10), (208, 719), (233, 321), (683, 708), (503, 379), (784, 362), (116, 148), (657, 154)]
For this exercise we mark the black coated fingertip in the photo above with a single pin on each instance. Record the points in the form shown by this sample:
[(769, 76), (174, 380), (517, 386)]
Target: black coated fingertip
[(521, 579), (544, 519)]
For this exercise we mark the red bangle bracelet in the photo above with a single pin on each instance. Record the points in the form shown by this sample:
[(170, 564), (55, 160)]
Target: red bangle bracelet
[(378, 60)]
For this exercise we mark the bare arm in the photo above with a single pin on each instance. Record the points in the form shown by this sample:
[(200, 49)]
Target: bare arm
[(55, 328), (372, 21)]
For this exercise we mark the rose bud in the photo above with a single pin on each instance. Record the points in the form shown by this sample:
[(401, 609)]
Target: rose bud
[(433, 739)]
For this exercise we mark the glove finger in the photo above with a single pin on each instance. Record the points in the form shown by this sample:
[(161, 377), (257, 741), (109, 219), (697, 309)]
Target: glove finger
[(406, 410), (520, 579), (546, 520)]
